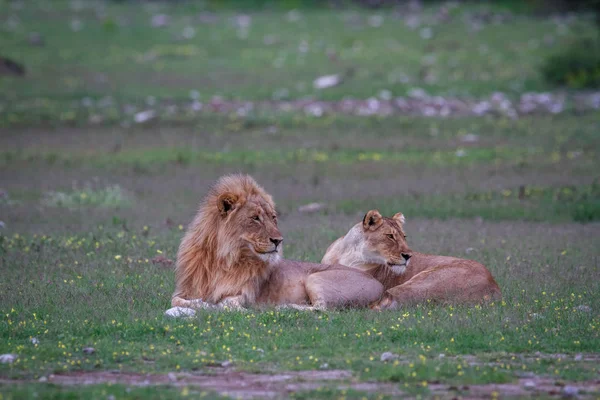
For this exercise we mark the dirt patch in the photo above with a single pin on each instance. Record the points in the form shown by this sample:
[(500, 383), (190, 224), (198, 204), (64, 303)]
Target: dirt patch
[(250, 385)]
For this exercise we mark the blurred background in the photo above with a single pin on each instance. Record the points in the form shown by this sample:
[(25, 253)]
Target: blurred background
[(121, 113)]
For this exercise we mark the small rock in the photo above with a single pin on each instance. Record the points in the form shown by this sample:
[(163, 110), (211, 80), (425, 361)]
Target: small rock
[(469, 250), (311, 207), (43, 379), (34, 341), (529, 385), (327, 81), (570, 390), (469, 138), (111, 397), (583, 308), (144, 116), (2, 224), (8, 358), (35, 39), (578, 357), (388, 356), (324, 366), (260, 351), (160, 20), (179, 312), (172, 377), (162, 261), (226, 364), (89, 350), (442, 355)]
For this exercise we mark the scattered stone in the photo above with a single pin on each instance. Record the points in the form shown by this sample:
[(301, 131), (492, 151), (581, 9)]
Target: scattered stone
[(442, 355), (111, 397), (388, 356), (570, 390), (8, 358), (578, 357), (529, 385), (144, 116), (160, 20), (34, 341), (226, 364), (311, 207), (583, 308), (324, 366), (172, 377), (11, 67), (162, 261), (2, 224), (469, 250), (89, 350), (327, 81), (35, 39), (43, 379), (180, 312), (469, 138)]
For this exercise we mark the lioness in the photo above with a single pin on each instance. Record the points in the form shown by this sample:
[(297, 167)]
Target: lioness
[(231, 256), (377, 245)]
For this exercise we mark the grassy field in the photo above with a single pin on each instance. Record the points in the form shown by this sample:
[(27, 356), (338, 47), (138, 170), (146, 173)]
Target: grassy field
[(91, 214)]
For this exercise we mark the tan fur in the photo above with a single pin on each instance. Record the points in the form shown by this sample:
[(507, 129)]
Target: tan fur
[(376, 246), (228, 256), (219, 254)]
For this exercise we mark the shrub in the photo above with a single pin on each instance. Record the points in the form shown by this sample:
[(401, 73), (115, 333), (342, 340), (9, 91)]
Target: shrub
[(109, 197), (578, 67)]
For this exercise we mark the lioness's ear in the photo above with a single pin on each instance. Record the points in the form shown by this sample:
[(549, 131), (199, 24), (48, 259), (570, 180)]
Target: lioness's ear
[(226, 203), (399, 218), (372, 220)]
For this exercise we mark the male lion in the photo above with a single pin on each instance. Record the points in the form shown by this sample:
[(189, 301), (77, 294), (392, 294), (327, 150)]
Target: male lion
[(231, 256), (378, 246)]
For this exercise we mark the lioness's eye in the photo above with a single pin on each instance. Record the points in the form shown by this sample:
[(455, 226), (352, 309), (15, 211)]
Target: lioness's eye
[(256, 218), (390, 236)]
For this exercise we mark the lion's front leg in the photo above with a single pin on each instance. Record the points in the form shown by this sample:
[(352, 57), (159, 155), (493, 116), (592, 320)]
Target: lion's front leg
[(232, 303), (197, 304)]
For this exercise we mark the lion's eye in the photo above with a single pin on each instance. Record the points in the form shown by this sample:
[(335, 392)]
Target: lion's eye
[(389, 235)]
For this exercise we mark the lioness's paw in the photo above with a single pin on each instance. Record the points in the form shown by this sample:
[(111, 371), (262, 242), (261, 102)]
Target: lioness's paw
[(180, 312)]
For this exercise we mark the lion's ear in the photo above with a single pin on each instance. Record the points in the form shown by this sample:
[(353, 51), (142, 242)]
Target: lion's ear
[(372, 220), (227, 203), (399, 218)]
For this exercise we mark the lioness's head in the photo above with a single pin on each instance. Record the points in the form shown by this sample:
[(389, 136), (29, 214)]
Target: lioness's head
[(374, 242), (385, 241), (252, 222)]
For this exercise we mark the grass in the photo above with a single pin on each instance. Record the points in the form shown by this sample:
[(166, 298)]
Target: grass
[(93, 205), (112, 197), (266, 55)]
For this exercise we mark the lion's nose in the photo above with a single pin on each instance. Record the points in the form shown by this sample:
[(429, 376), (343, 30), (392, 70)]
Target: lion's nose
[(406, 256), (276, 241)]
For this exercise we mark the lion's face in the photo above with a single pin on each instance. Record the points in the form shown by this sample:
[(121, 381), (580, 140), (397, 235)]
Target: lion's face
[(253, 223), (385, 241)]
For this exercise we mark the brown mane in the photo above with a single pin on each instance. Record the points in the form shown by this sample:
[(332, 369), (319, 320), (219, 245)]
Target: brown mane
[(211, 262)]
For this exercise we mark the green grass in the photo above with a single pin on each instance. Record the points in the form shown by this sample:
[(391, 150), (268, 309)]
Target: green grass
[(88, 198), (49, 391), (273, 58), (58, 305)]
